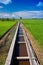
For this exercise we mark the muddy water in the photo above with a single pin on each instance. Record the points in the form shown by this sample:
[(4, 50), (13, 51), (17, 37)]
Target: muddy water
[(20, 32), (21, 62), (20, 39), (20, 50)]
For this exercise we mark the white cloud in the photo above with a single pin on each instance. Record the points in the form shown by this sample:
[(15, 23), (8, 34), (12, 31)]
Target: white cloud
[(23, 14), (28, 14), (40, 4), (5, 15), (1, 6), (5, 1)]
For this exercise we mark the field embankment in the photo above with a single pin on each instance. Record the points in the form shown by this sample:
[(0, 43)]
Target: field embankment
[(35, 26), (4, 27), (35, 30)]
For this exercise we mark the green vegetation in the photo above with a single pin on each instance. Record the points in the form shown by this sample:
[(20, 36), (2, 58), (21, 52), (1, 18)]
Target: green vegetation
[(5, 26), (35, 26)]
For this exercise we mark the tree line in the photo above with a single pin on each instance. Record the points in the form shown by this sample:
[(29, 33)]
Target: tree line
[(7, 19)]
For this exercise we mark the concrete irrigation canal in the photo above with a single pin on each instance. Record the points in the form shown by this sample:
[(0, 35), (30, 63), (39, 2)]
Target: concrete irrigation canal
[(21, 51)]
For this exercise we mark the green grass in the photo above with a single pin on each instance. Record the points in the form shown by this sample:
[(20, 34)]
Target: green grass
[(5, 26), (35, 26)]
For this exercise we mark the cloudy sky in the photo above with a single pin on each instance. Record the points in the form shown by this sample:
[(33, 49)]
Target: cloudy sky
[(24, 8)]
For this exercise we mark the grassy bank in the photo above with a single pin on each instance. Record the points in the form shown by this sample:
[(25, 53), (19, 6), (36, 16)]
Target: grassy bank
[(5, 26), (35, 26)]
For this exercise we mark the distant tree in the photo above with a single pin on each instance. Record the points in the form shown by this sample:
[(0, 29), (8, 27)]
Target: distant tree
[(21, 18), (7, 19), (13, 19), (2, 19)]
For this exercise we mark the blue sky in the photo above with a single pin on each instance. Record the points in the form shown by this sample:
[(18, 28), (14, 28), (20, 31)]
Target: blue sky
[(24, 8)]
